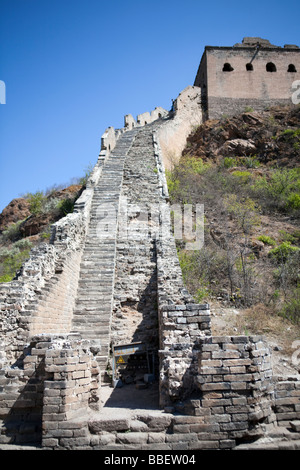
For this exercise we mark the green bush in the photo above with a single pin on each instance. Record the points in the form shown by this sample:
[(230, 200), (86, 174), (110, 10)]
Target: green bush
[(245, 212), (23, 244), (266, 240), (292, 136), (173, 183), (37, 202), (12, 263), (281, 188), (282, 252), (293, 201), (11, 259), (250, 162), (293, 237), (243, 177), (291, 309), (6, 278), (193, 164), (12, 231), (229, 162), (66, 206), (87, 173)]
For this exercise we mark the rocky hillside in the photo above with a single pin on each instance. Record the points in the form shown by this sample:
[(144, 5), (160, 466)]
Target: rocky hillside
[(26, 221), (273, 137), (245, 170)]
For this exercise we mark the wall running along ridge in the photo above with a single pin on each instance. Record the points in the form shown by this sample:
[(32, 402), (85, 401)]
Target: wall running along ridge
[(92, 288)]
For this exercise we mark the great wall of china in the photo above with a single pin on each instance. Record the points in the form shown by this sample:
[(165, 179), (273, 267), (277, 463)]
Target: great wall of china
[(108, 286)]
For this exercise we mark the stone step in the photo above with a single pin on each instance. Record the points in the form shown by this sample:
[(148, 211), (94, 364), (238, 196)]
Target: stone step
[(92, 313)]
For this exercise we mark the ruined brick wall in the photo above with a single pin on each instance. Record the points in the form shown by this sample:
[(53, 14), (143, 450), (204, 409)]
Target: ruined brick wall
[(181, 321), (46, 284), (54, 312), (245, 82), (287, 400), (172, 133), (71, 388), (235, 378)]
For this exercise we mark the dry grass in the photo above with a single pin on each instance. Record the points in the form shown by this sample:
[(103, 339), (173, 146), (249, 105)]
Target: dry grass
[(257, 320)]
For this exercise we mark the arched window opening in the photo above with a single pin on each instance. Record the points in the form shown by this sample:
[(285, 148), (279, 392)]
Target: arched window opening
[(249, 67), (291, 68), (270, 67), (227, 67)]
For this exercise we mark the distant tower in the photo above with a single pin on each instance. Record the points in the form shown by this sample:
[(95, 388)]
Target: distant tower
[(254, 74)]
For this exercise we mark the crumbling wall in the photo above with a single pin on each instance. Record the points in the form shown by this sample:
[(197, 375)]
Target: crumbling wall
[(39, 300), (181, 321), (144, 118), (235, 380), (287, 400), (71, 388), (186, 115)]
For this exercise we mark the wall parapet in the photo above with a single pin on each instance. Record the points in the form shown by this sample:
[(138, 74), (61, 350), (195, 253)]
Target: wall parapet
[(235, 380), (181, 321), (145, 118), (287, 400), (49, 269), (71, 389)]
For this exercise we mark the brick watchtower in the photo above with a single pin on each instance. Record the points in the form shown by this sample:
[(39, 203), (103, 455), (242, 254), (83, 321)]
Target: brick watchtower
[(253, 74)]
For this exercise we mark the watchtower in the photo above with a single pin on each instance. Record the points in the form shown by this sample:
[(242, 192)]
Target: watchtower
[(252, 74)]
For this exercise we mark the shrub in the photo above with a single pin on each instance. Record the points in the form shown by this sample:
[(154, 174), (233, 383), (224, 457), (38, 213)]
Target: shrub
[(12, 263), (280, 189), (173, 183), (87, 173), (243, 177), (12, 231), (37, 202), (193, 164), (293, 201), (282, 252), (248, 109), (23, 244), (6, 278), (229, 162), (11, 259), (293, 237), (203, 293), (66, 206), (245, 212), (292, 136), (251, 162), (291, 309), (266, 240)]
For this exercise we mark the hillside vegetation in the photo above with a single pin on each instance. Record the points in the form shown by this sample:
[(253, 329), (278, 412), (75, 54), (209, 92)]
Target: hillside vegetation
[(245, 170), (26, 221)]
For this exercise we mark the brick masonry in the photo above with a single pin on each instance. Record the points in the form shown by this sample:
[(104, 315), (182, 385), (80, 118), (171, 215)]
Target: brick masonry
[(81, 294), (232, 91)]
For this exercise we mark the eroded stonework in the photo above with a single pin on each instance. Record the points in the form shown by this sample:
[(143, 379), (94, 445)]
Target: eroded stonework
[(109, 277)]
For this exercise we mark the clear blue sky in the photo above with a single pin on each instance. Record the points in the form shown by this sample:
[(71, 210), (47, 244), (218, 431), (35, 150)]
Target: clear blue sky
[(72, 68)]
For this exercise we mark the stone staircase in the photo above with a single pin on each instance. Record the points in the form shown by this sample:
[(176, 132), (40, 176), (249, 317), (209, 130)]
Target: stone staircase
[(92, 313), (135, 314)]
